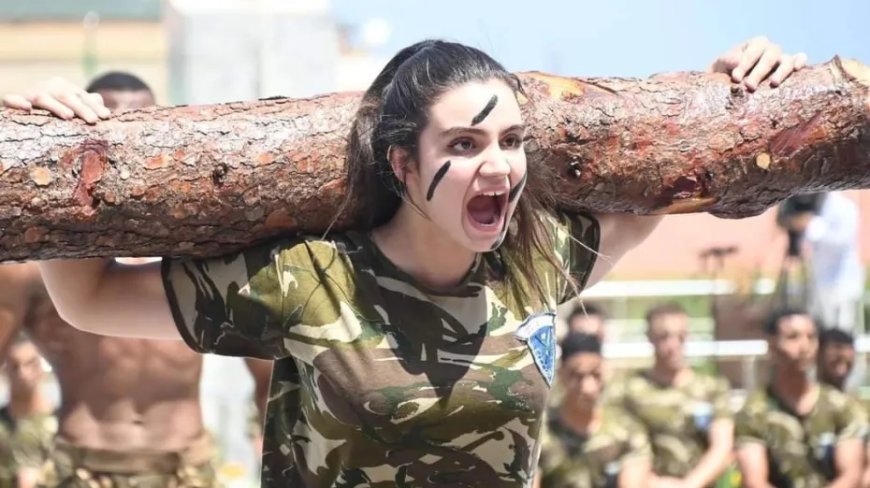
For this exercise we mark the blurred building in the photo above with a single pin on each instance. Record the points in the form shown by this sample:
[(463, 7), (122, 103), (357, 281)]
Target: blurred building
[(189, 51), (79, 39)]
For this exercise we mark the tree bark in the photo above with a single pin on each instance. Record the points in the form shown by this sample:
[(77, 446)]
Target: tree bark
[(210, 179)]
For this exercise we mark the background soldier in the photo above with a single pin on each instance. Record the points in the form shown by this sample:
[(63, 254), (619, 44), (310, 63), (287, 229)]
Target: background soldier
[(27, 424), (587, 444), (587, 319), (686, 413), (836, 357), (796, 432)]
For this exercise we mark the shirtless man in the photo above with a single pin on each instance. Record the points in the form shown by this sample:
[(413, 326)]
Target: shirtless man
[(130, 410)]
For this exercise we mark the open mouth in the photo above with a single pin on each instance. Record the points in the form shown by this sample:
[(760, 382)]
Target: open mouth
[(486, 210)]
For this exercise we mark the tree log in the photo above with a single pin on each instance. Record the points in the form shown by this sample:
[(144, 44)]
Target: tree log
[(204, 180)]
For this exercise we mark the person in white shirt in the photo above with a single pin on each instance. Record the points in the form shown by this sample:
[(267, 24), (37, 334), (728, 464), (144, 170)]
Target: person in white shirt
[(836, 271)]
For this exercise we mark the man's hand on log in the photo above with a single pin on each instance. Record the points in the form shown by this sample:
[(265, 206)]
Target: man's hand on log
[(756, 60), (61, 98)]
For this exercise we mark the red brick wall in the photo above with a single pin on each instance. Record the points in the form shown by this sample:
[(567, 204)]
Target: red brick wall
[(672, 250)]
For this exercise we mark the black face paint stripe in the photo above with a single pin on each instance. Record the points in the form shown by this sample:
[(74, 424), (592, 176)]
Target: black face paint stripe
[(437, 179), (515, 191), (486, 110)]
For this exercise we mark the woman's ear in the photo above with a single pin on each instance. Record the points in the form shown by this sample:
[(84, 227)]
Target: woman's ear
[(400, 160)]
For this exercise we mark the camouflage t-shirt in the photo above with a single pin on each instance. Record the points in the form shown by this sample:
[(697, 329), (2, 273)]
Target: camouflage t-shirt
[(800, 450), (380, 381), (573, 460), (24, 443), (677, 418)]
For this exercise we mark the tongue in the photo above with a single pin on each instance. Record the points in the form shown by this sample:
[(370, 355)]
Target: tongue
[(483, 209)]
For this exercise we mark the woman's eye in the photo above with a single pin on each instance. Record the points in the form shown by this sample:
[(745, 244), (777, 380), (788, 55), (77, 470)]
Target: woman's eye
[(462, 145), (512, 142)]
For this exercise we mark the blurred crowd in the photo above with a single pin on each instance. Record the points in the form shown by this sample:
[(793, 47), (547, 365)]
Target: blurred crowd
[(670, 425)]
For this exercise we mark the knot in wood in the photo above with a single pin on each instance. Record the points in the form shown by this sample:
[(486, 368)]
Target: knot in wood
[(574, 169), (219, 172)]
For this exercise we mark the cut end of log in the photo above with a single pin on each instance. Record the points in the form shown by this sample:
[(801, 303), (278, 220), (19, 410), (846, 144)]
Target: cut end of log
[(559, 87), (856, 70), (687, 205)]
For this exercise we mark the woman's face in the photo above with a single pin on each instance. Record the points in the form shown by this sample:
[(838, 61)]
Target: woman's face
[(472, 166)]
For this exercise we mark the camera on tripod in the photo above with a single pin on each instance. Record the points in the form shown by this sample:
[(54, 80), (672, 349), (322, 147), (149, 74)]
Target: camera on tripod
[(793, 207)]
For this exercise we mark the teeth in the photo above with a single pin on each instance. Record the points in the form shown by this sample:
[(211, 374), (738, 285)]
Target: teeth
[(494, 194)]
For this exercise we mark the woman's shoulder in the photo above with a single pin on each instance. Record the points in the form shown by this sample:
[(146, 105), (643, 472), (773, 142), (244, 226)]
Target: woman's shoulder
[(314, 247)]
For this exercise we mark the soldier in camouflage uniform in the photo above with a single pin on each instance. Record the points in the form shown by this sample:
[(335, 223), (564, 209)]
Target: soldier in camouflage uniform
[(796, 433), (417, 350), (836, 357), (686, 413), (27, 423), (586, 444)]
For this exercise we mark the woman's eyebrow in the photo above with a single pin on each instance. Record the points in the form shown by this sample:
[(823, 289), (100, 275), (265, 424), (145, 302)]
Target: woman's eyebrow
[(457, 130)]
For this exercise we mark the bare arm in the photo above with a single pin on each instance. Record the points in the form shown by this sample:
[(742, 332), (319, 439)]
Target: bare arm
[(866, 481), (17, 282), (102, 296), (849, 459), (718, 456), (620, 233), (752, 459), (537, 482), (636, 473)]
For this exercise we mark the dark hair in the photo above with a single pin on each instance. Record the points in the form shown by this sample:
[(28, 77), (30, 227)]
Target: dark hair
[(393, 112), (772, 325), (579, 343), (835, 335), (584, 310), (669, 308), (117, 81)]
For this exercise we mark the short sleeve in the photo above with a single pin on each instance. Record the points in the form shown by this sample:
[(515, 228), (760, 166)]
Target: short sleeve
[(852, 421), (638, 444), (749, 425), (616, 393), (577, 239), (231, 305), (719, 398)]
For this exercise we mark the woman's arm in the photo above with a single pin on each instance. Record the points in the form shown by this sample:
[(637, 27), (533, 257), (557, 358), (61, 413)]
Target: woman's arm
[(102, 296)]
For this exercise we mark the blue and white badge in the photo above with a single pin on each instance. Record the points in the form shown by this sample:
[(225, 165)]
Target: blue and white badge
[(538, 331), (825, 447), (702, 415)]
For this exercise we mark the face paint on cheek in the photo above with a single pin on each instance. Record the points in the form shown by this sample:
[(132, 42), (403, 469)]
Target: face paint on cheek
[(515, 191), (486, 110), (437, 179)]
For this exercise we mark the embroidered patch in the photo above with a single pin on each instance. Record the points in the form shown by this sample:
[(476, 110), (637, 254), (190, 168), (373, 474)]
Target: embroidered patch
[(702, 415), (539, 333)]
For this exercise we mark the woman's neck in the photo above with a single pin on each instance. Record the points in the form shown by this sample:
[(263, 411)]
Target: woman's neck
[(420, 249)]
